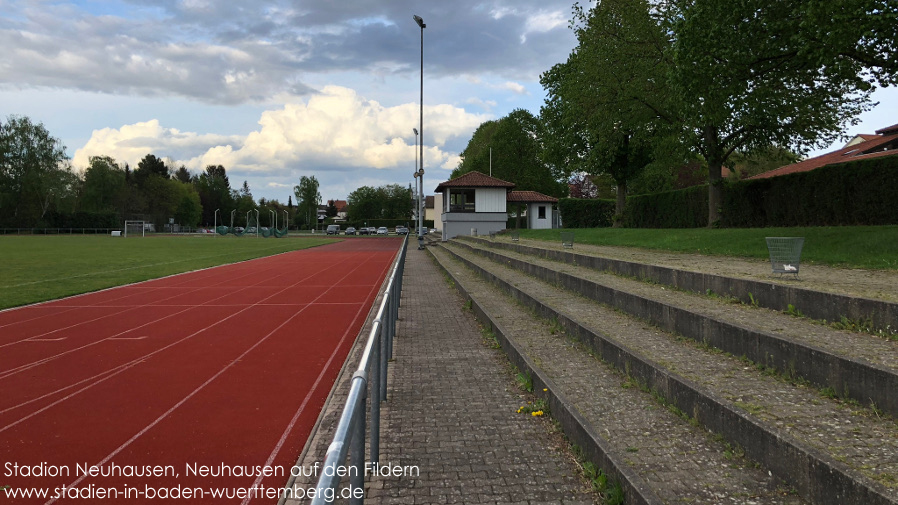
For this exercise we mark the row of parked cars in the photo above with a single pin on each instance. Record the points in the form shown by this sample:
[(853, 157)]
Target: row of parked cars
[(334, 229)]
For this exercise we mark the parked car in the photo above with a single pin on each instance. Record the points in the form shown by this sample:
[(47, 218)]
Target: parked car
[(401, 230), (363, 231), (333, 229), (382, 230), (350, 230), (372, 230)]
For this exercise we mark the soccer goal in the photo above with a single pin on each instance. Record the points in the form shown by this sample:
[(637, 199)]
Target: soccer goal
[(135, 229)]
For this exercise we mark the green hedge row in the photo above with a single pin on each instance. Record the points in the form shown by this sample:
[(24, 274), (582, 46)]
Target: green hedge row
[(852, 193), (586, 213)]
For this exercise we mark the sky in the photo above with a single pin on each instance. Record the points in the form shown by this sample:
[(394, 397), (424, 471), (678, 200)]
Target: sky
[(277, 90)]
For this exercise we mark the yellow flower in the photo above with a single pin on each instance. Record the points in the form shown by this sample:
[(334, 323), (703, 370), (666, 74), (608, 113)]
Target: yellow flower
[(536, 413), (545, 389)]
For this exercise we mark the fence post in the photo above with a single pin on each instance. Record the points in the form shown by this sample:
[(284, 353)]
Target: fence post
[(375, 385), (357, 452)]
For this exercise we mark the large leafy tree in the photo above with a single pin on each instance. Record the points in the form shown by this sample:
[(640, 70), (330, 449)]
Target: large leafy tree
[(607, 107), (511, 148), (753, 74), (104, 186), (365, 203), (34, 172), (397, 201), (307, 201)]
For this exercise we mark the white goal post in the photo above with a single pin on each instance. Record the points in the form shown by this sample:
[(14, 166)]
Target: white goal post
[(135, 228)]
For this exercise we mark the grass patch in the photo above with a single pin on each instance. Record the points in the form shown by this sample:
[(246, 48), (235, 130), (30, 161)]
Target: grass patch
[(850, 246), (40, 268)]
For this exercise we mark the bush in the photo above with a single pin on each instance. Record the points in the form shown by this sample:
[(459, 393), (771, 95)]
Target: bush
[(683, 208), (852, 193), (586, 213), (847, 194)]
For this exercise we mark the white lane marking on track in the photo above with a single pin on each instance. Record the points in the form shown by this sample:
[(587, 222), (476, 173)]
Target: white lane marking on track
[(199, 388)]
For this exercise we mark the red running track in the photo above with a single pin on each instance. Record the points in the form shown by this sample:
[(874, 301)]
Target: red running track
[(225, 366)]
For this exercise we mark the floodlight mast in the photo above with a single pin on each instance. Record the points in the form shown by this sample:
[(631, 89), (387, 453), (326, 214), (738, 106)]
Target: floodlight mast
[(420, 171)]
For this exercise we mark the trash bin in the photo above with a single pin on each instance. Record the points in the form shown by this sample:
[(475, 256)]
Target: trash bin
[(785, 254), (567, 239)]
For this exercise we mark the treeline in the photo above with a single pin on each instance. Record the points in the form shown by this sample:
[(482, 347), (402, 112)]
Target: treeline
[(39, 189)]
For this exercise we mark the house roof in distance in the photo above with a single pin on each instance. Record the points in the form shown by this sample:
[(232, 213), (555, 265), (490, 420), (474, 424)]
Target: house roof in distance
[(474, 180), (530, 197), (884, 143)]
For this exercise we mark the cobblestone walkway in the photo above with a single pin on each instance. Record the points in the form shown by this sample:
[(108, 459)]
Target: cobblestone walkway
[(452, 412)]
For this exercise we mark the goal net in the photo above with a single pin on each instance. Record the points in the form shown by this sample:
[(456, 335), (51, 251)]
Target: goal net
[(135, 229)]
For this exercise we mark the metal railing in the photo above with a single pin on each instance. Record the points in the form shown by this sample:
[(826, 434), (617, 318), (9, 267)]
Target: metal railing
[(369, 379)]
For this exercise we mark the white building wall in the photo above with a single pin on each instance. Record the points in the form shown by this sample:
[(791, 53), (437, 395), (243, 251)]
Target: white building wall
[(490, 199), (534, 222)]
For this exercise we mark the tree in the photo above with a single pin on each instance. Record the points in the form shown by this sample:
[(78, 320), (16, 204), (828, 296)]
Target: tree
[(331, 209), (396, 201), (187, 209), (182, 174), (104, 186), (516, 144), (215, 194), (793, 74), (150, 165), (34, 171), (307, 201), (606, 105), (364, 203)]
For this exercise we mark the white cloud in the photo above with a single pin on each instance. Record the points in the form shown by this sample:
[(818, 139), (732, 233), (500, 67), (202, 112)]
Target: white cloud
[(335, 128), (514, 87), (130, 143)]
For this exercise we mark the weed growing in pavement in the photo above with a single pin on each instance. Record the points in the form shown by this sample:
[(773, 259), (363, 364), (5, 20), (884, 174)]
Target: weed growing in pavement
[(754, 301), (792, 311), (540, 407), (469, 303), (864, 326), (613, 493), (525, 381), (490, 337)]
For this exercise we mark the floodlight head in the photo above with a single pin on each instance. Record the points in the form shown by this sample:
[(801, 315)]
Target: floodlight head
[(420, 22), (421, 172), (415, 130)]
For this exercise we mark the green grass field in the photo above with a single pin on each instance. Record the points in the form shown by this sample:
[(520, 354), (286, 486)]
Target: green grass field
[(873, 247), (38, 268)]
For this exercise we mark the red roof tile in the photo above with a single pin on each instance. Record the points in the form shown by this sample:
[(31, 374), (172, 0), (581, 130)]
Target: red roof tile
[(876, 146), (474, 180), (529, 197)]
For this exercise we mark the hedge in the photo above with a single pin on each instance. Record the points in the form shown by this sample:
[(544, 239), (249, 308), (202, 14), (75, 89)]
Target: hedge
[(586, 213), (852, 193)]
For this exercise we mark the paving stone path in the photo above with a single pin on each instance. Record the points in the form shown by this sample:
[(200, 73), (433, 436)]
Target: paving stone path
[(452, 412)]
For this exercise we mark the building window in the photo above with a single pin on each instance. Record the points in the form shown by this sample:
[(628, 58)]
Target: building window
[(542, 212), (461, 200)]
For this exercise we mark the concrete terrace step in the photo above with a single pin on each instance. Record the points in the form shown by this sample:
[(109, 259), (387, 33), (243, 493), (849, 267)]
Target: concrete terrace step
[(854, 365), (831, 452), (822, 292), (656, 455)]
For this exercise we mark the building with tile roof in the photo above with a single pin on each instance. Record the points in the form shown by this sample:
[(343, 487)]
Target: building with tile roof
[(477, 204), (861, 147)]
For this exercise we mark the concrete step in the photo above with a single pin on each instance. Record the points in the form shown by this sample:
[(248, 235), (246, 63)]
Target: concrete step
[(860, 295), (854, 365), (829, 451), (653, 451)]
